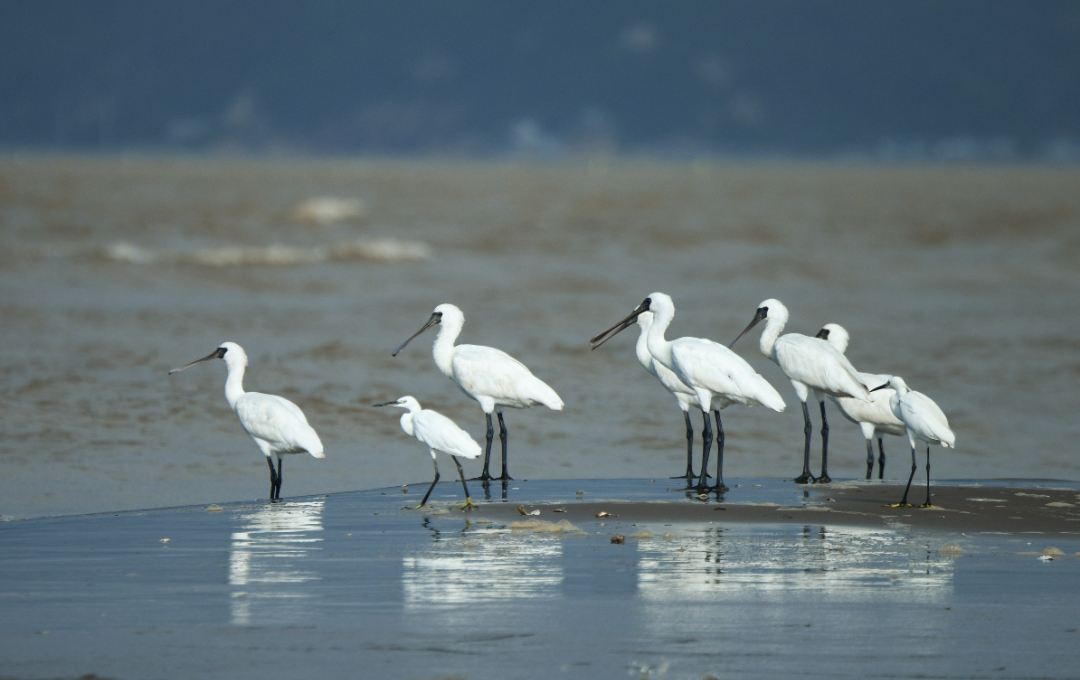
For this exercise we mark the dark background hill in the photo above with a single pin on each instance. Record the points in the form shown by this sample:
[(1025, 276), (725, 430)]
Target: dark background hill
[(965, 79)]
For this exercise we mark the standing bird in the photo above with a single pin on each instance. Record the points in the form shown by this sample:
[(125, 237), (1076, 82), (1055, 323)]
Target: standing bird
[(924, 421), (810, 364), (490, 376), (440, 434), (712, 371), (683, 394), (875, 418), (277, 425)]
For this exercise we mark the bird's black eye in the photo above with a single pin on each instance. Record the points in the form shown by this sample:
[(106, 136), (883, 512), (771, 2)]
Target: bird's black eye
[(646, 303), (763, 312), (221, 351), (823, 334), (438, 315)]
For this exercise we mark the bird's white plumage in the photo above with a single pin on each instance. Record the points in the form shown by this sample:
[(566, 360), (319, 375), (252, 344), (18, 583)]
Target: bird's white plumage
[(678, 389), (711, 370), (277, 425), (435, 430), (875, 416), (923, 419), (490, 376), (810, 363)]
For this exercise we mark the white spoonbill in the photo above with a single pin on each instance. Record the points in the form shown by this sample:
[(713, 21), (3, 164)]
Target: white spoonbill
[(712, 371), (924, 421), (440, 434), (490, 376), (277, 425), (810, 364), (678, 389), (874, 418)]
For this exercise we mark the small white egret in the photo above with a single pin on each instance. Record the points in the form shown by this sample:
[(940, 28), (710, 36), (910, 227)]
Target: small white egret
[(715, 374), (490, 376), (924, 421), (810, 364), (874, 418), (277, 425), (440, 434)]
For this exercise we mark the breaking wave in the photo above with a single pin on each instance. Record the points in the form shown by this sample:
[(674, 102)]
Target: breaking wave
[(374, 250)]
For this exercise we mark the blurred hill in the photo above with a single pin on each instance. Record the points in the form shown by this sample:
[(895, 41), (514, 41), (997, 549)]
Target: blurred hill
[(964, 79)]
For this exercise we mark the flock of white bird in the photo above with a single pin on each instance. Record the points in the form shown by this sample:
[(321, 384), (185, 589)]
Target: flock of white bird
[(699, 373)]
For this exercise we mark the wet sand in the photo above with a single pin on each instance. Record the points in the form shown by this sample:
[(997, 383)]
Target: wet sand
[(768, 583)]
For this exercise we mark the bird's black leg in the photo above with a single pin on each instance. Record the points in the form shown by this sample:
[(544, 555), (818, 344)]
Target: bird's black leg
[(432, 487), (689, 476), (461, 474), (703, 485), (485, 475), (720, 486), (280, 462), (927, 503), (881, 458), (824, 478), (705, 419), (502, 437), (273, 478), (869, 458), (806, 477), (903, 501)]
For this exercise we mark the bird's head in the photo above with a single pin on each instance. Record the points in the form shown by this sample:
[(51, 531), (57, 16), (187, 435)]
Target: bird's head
[(232, 353)]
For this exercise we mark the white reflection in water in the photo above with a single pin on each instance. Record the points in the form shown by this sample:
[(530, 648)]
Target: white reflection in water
[(844, 563), (266, 562), (495, 568)]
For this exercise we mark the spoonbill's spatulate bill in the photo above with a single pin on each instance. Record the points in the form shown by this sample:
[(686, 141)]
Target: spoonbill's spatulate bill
[(924, 421), (490, 376), (810, 364), (277, 425), (439, 433), (717, 375), (875, 418)]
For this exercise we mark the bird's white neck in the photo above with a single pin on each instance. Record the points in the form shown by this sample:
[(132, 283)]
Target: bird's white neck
[(443, 348), (406, 422), (658, 346), (642, 347), (774, 325), (234, 384)]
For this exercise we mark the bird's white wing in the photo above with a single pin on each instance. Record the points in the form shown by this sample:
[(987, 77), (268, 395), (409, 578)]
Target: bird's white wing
[(816, 363), (443, 434), (486, 371), (717, 368), (278, 421), (925, 418)]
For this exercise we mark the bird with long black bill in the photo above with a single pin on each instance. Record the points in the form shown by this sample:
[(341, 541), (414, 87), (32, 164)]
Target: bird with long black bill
[(276, 425), (924, 420), (439, 433), (875, 418), (715, 374), (490, 376), (811, 364)]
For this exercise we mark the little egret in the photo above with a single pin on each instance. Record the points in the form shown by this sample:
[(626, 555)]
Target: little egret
[(490, 376), (712, 371), (924, 421), (440, 434), (874, 418), (277, 425), (810, 364)]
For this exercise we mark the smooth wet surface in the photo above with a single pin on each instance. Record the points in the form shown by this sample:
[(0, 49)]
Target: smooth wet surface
[(353, 585)]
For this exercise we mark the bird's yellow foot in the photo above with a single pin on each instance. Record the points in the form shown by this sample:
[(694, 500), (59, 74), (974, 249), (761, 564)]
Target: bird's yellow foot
[(469, 504), (926, 505), (900, 505), (414, 507)]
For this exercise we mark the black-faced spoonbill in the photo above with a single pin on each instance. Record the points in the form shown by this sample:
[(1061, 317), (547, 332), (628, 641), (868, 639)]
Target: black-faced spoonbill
[(440, 434), (277, 425), (715, 374), (490, 376), (874, 418), (924, 421), (810, 364)]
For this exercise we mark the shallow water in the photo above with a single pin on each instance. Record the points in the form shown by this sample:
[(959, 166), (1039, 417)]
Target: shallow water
[(964, 280), (352, 581)]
